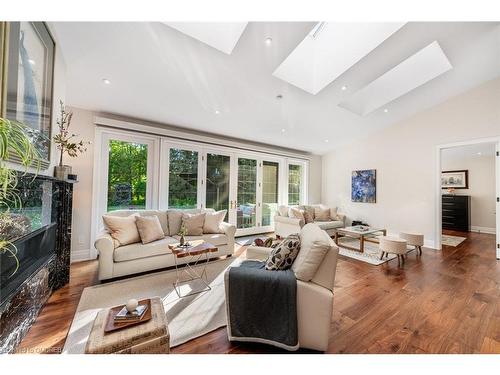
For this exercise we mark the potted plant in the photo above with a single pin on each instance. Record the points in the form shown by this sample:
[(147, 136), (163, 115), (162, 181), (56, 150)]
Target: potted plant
[(66, 144), (182, 233), (14, 141)]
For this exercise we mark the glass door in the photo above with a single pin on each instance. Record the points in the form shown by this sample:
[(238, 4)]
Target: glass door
[(270, 193), (245, 207), (218, 182)]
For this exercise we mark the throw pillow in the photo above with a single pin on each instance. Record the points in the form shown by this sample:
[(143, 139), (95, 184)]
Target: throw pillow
[(149, 228), (334, 214), (122, 229), (193, 224), (283, 255), (296, 213), (283, 211), (174, 222), (315, 243), (322, 214), (213, 221), (309, 214)]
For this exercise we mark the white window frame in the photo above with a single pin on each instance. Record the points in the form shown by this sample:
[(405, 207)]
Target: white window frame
[(303, 180)]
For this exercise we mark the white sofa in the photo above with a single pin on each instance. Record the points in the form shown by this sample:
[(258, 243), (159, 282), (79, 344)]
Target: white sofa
[(285, 225), (134, 258), (314, 299)]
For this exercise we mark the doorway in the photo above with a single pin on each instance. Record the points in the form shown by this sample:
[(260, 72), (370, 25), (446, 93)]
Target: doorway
[(467, 202)]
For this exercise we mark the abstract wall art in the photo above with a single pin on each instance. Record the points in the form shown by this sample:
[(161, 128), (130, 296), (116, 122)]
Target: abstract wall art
[(363, 186)]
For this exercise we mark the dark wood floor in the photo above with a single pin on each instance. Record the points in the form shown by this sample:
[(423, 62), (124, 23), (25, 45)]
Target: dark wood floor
[(442, 302)]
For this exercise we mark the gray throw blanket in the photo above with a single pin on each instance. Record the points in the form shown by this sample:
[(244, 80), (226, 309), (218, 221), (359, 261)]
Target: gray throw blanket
[(262, 305)]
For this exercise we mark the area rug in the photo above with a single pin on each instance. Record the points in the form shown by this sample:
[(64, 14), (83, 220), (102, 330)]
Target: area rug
[(371, 252), (451, 240), (188, 317)]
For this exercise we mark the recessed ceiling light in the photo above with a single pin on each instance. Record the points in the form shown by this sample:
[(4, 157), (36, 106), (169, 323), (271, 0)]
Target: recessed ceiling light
[(106, 81), (279, 96), (283, 130), (343, 88), (268, 41), (326, 140), (217, 111), (386, 110), (479, 153)]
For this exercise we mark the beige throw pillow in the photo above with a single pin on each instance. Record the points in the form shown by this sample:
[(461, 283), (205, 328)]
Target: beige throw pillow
[(213, 221), (122, 229), (296, 213), (149, 228), (309, 214), (314, 244), (334, 214), (174, 222), (193, 224), (322, 214)]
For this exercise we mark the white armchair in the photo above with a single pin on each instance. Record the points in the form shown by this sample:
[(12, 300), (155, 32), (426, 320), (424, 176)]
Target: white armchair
[(314, 299)]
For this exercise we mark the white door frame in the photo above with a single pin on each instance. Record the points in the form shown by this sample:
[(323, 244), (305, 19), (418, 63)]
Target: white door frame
[(438, 190), (100, 175)]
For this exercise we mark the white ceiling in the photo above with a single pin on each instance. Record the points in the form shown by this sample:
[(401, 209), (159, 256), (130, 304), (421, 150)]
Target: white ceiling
[(160, 74)]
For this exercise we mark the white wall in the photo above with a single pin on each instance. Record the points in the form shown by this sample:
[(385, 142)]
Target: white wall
[(83, 125), (481, 183), (404, 156)]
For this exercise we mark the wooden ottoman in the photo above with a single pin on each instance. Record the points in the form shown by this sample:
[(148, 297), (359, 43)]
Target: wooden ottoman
[(151, 337)]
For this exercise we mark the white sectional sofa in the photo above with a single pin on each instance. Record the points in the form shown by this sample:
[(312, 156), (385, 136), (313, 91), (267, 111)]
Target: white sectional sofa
[(134, 258), (286, 225)]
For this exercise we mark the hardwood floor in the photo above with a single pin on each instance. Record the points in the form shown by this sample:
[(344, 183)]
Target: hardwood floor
[(441, 302)]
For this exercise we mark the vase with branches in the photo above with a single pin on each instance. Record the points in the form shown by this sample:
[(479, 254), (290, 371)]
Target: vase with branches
[(15, 141), (66, 143)]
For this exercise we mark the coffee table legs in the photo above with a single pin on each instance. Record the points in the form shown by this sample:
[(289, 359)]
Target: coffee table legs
[(192, 275)]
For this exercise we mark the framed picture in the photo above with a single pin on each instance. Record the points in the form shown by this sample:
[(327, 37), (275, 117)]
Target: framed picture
[(455, 179), (28, 70), (364, 186)]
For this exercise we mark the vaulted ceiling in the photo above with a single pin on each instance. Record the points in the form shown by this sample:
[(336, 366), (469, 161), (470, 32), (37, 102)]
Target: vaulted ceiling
[(160, 73)]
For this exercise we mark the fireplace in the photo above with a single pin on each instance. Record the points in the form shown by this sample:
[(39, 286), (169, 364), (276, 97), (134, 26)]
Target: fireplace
[(41, 232)]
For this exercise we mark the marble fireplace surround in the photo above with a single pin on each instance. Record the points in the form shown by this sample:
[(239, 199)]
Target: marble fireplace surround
[(20, 310)]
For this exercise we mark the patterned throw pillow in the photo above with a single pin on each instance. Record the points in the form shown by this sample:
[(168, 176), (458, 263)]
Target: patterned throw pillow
[(283, 255), (309, 214)]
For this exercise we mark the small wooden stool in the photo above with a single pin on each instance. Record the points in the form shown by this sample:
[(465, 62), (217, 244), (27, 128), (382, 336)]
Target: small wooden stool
[(393, 245), (414, 239)]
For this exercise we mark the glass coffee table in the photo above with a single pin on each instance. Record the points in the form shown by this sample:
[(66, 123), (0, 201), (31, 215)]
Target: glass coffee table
[(198, 251), (361, 232)]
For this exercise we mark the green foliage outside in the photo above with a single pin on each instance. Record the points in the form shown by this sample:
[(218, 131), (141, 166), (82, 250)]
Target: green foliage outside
[(183, 179), (127, 175)]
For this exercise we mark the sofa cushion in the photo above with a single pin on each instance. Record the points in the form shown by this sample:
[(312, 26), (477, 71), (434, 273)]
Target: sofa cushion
[(334, 214), (321, 214), (216, 239), (161, 214), (138, 250), (309, 214), (213, 221), (122, 229), (325, 225), (283, 211), (296, 213), (149, 228), (314, 245), (193, 223), (174, 222), (283, 255)]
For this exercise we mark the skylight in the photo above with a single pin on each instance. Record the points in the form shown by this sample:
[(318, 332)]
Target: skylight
[(222, 36), (329, 50), (425, 65)]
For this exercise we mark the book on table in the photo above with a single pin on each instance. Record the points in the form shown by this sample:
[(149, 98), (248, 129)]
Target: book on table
[(125, 316)]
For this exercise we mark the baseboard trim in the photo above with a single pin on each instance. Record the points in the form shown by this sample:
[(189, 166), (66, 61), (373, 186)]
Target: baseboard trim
[(80, 255), (483, 230)]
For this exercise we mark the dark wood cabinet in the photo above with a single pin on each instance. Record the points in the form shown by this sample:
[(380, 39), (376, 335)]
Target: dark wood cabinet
[(456, 212)]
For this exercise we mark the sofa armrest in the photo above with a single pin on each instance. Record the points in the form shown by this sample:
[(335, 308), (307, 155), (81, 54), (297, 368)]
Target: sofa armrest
[(289, 220), (342, 217), (105, 245), (257, 252), (229, 230)]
